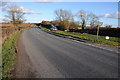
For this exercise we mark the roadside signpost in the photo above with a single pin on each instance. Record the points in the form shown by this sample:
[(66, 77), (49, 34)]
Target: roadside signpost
[(98, 24)]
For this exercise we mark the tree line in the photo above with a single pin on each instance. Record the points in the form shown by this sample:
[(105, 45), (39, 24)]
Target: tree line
[(63, 18), (66, 20)]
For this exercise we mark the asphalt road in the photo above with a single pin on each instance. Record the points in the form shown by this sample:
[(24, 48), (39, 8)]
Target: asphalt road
[(56, 57)]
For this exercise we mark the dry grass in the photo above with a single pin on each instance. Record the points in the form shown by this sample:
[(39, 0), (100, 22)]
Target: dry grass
[(5, 25), (8, 29)]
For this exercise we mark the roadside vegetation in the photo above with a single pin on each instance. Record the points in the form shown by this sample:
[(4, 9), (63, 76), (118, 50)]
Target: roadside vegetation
[(9, 54), (114, 41), (12, 25), (65, 21)]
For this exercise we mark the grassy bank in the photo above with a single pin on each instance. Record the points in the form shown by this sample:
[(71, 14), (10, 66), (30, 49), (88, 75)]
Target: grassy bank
[(9, 54), (114, 41)]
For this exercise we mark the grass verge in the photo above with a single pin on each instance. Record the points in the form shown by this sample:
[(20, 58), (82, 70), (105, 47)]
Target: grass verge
[(9, 55), (114, 41)]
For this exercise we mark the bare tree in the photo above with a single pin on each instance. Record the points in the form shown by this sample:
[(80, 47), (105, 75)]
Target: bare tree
[(87, 18), (15, 14), (93, 18), (64, 17), (83, 17)]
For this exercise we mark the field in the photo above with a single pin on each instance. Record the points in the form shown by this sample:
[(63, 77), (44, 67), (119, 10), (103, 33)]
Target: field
[(11, 25), (9, 29)]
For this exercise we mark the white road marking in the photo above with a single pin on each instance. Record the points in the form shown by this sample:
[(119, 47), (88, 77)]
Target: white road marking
[(96, 46), (93, 45)]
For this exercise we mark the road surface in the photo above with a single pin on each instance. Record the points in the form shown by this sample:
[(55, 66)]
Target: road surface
[(55, 57)]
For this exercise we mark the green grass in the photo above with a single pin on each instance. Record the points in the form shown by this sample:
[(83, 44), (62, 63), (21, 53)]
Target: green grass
[(9, 55), (101, 39)]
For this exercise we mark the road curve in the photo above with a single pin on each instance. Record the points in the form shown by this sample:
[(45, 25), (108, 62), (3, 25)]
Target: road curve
[(56, 57)]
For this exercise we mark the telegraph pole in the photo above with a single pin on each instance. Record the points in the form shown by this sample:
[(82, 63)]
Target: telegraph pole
[(97, 31)]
